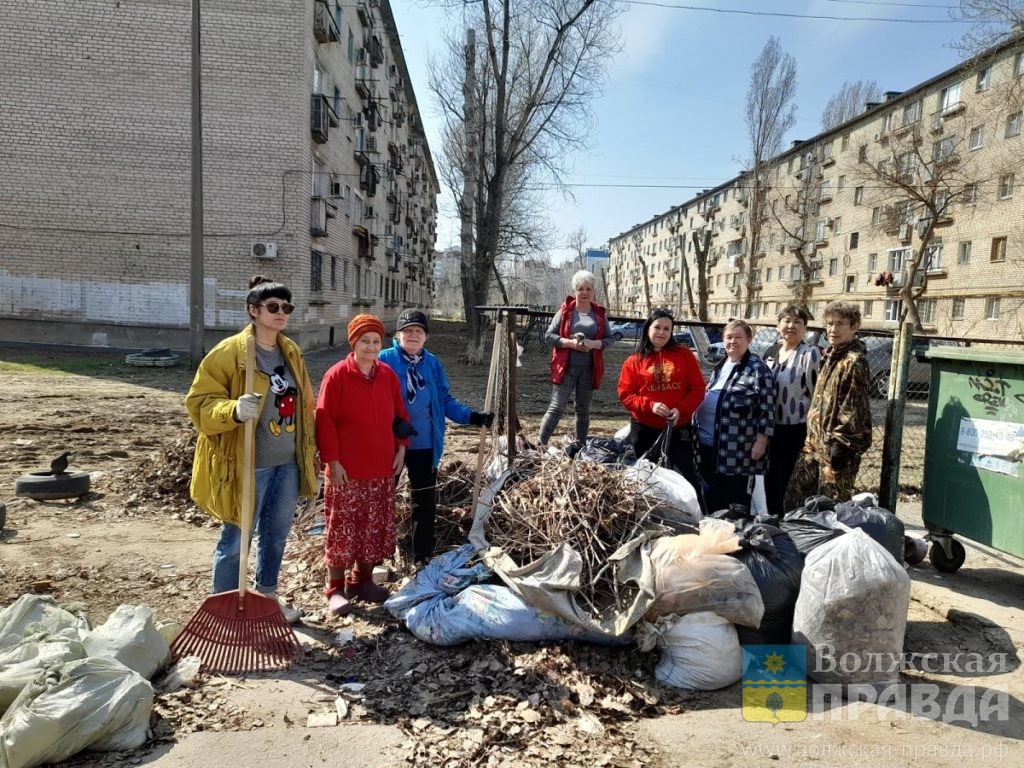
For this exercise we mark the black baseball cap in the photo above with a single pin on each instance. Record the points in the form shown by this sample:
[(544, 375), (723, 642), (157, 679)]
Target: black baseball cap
[(412, 317)]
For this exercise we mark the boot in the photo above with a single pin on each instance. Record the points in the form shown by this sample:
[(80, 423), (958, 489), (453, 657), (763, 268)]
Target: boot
[(337, 603), (366, 591)]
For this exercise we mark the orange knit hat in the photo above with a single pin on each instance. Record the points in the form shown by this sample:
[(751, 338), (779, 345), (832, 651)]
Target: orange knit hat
[(361, 324)]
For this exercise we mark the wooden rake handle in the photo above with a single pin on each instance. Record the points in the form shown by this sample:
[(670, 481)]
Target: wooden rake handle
[(248, 472), (488, 404)]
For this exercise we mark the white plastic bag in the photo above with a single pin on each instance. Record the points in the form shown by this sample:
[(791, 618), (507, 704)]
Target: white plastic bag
[(19, 664), (31, 615), (758, 499), (852, 607), (131, 637), (96, 704), (679, 498), (699, 651)]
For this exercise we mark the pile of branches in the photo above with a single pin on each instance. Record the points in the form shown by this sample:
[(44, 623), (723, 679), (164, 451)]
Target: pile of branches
[(591, 507)]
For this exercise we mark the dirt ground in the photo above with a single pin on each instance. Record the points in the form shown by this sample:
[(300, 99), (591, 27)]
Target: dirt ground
[(136, 539)]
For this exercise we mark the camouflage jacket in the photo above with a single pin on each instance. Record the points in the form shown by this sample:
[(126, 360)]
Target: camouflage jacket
[(841, 407)]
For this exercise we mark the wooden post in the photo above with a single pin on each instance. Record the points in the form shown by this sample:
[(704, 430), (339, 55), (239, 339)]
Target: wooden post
[(902, 346), (510, 411)]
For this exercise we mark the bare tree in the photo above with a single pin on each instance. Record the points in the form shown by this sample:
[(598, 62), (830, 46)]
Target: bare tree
[(770, 112), (677, 229), (991, 22), (849, 101), (701, 247), (577, 243), (638, 253), (540, 64), (919, 178), (794, 209)]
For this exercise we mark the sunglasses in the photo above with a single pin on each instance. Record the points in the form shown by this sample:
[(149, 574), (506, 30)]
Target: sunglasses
[(274, 307)]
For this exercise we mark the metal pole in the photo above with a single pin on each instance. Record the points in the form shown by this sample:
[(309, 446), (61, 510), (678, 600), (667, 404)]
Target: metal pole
[(903, 343), (195, 294)]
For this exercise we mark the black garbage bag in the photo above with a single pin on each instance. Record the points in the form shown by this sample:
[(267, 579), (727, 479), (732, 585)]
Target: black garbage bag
[(878, 523), (776, 564), (601, 450), (813, 524)]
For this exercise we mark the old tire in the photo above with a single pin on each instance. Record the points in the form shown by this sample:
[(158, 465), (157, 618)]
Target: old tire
[(46, 486), (938, 557)]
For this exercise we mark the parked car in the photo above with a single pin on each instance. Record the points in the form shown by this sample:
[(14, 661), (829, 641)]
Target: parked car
[(686, 339), (622, 331), (919, 373), (715, 353)]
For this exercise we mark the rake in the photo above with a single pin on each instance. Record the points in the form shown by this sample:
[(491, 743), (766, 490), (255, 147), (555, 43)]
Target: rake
[(240, 631)]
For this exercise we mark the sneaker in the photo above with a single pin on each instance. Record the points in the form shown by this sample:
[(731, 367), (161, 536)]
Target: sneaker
[(366, 591), (338, 605), (291, 615)]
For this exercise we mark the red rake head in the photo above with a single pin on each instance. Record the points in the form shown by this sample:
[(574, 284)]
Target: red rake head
[(232, 637)]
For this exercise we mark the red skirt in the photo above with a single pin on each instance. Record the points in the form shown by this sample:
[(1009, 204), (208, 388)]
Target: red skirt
[(360, 522)]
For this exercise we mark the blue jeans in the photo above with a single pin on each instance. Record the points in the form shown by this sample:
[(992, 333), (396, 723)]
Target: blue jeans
[(277, 492)]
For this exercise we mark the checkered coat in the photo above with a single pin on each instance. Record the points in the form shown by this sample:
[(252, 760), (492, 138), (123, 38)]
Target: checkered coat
[(745, 409)]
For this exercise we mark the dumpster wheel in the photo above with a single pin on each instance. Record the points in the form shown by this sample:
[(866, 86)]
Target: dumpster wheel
[(947, 563)]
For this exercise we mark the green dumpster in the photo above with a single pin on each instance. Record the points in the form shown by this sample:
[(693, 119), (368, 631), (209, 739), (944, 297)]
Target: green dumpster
[(973, 471)]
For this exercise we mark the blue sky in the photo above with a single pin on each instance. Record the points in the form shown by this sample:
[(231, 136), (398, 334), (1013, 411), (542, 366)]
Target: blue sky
[(672, 113)]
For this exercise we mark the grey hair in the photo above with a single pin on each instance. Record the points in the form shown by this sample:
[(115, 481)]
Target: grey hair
[(581, 277)]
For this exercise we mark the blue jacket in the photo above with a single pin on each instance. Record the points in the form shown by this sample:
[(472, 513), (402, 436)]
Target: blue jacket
[(442, 401)]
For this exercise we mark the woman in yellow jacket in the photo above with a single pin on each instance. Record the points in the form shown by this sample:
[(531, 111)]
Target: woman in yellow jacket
[(282, 406)]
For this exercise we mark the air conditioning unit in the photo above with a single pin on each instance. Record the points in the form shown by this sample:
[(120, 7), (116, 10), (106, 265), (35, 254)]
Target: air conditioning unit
[(263, 250)]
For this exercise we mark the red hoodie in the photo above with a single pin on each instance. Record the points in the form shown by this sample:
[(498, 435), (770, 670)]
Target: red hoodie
[(354, 418), (671, 376)]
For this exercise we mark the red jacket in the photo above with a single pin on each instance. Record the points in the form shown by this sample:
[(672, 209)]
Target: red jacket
[(671, 377), (354, 418), (560, 355)]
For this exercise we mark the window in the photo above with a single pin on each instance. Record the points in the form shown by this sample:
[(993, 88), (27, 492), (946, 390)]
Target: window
[(862, 152), (963, 252), (841, 184), (858, 195), (971, 194), (359, 290), (768, 275), (949, 97), (912, 113), (795, 273), (351, 47), (316, 268), (334, 273), (942, 150), (876, 216), (825, 190), (872, 262), (854, 240), (958, 309), (998, 249), (845, 144), (851, 283), (984, 77), (819, 231), (833, 267), (1018, 64), (977, 140), (991, 309), (898, 259), (869, 307), (827, 152), (344, 275), (932, 261), (1013, 125), (926, 311), (893, 310), (837, 225), (1006, 186)]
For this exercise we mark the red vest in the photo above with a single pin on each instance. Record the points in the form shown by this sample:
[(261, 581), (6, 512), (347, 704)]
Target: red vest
[(560, 355)]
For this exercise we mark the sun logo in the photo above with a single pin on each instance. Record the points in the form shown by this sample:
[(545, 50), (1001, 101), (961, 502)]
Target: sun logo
[(661, 372)]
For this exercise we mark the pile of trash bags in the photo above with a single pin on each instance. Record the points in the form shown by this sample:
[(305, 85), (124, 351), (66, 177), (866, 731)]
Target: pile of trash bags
[(66, 686), (736, 579)]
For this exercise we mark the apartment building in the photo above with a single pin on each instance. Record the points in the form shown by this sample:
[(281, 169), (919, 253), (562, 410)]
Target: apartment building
[(935, 169), (316, 168)]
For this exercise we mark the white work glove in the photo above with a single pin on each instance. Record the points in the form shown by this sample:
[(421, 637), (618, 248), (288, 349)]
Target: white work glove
[(247, 408)]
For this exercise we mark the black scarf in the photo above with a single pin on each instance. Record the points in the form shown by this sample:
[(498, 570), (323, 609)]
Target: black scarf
[(414, 380)]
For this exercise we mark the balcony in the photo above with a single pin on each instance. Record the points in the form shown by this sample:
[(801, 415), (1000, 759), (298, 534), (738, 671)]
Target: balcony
[(320, 118), (325, 26), (364, 84)]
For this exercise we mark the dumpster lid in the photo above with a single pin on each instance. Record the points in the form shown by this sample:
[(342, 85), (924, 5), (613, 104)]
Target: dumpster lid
[(973, 354)]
